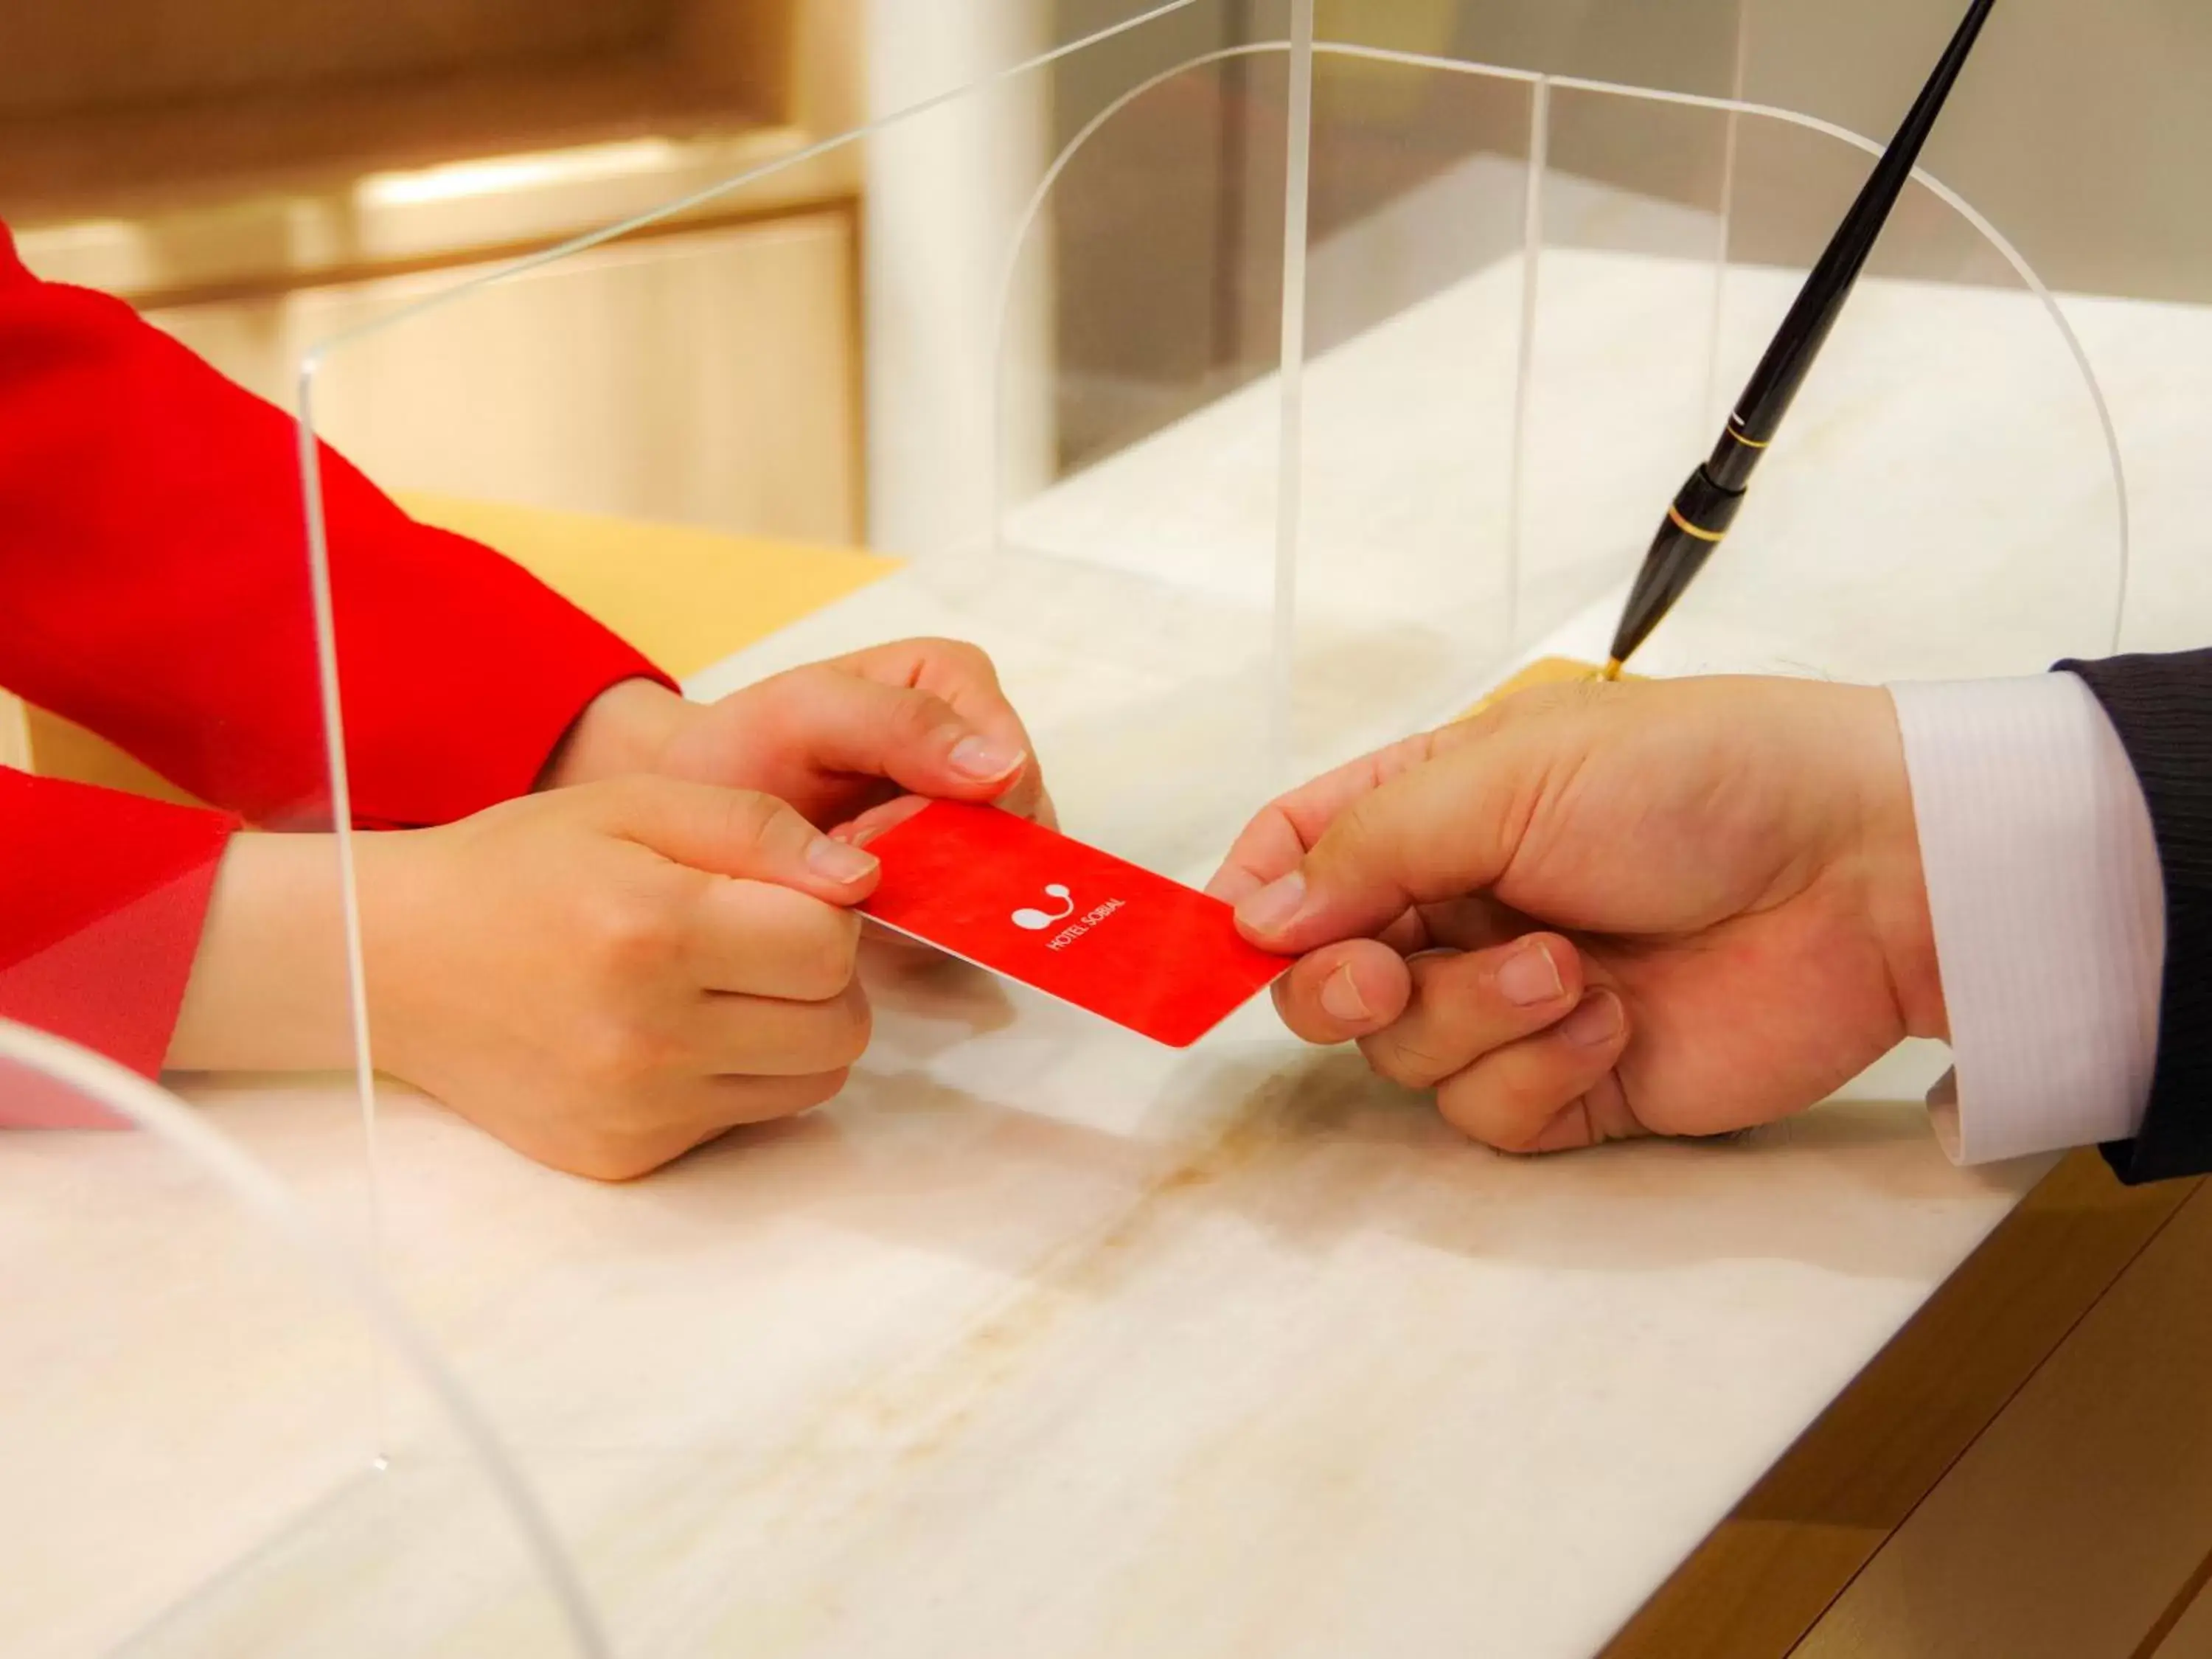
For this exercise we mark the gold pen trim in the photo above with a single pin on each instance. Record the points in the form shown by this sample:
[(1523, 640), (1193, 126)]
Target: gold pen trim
[(1748, 443), (1687, 528)]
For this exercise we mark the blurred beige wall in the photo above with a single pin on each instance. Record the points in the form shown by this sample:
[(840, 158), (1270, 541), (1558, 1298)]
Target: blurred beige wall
[(2083, 129), (2083, 132)]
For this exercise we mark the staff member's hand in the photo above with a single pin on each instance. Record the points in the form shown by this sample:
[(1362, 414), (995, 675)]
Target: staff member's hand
[(602, 976), (606, 976), (859, 736), (1596, 911), (656, 947)]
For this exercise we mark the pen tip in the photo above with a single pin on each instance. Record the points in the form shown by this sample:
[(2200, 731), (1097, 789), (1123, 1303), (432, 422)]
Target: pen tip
[(1611, 670)]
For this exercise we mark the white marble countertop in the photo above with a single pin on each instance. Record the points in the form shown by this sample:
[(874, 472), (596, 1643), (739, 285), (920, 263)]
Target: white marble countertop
[(1041, 1340)]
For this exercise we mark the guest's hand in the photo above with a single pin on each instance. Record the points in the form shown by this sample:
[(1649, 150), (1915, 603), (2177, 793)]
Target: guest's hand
[(864, 737), (1596, 911)]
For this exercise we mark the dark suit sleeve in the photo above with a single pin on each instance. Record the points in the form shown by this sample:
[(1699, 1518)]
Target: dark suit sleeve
[(2162, 707)]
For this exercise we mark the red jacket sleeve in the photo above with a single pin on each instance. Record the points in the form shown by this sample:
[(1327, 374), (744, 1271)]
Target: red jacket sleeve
[(154, 587), (104, 894)]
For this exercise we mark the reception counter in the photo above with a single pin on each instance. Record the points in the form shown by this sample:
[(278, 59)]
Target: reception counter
[(1043, 1341)]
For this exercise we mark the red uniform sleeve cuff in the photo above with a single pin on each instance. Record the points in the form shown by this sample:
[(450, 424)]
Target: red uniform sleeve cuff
[(102, 898), (501, 667)]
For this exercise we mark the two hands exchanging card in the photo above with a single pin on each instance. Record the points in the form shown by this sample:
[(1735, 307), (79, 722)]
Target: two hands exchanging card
[(664, 935), (1078, 924), (1586, 913), (1081, 926)]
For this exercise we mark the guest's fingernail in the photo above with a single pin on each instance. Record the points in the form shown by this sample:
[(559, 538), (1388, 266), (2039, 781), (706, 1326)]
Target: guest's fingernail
[(1570, 1131), (1340, 996), (1529, 976), (1275, 906), (1595, 1021), (835, 861), (986, 759)]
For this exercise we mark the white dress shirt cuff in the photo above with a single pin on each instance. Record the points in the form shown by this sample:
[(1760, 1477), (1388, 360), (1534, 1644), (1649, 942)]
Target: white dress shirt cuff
[(2049, 912)]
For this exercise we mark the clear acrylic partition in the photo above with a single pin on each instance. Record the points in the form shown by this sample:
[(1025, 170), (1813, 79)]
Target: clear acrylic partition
[(201, 1372), (704, 1426), (183, 1389), (1393, 188), (1528, 303), (1948, 497), (1116, 274)]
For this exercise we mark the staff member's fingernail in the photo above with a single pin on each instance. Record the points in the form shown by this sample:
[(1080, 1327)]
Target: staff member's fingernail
[(986, 759), (1597, 1020), (1340, 995), (836, 862), (1529, 976), (1275, 906)]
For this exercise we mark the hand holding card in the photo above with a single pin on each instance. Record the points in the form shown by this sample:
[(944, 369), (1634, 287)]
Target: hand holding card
[(1078, 924)]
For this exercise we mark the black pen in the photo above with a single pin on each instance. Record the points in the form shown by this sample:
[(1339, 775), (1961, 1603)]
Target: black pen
[(1706, 506)]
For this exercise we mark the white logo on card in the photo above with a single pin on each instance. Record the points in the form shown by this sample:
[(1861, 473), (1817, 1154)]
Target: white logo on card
[(1036, 921)]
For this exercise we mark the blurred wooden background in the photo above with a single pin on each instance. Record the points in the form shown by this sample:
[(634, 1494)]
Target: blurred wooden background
[(259, 177)]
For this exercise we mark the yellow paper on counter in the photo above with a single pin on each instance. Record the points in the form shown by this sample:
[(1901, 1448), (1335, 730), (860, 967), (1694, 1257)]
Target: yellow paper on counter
[(686, 598), (1545, 670)]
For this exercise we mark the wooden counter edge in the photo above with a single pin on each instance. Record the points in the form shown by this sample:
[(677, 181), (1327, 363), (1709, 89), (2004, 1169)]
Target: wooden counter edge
[(1762, 1578)]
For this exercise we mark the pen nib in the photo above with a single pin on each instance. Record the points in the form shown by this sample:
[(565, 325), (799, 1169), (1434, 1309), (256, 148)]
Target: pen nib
[(1611, 670)]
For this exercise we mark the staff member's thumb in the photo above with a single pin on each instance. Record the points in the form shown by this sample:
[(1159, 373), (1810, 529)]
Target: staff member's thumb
[(1446, 828), (850, 724), (734, 832)]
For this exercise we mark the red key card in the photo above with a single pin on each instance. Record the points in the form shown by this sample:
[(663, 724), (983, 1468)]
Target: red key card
[(1076, 923)]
